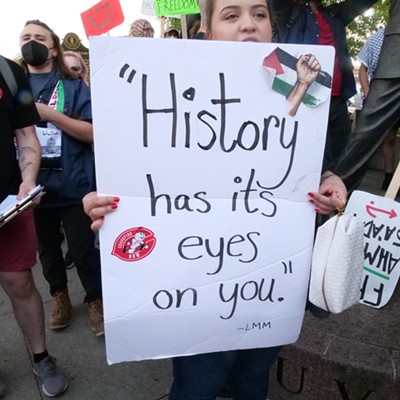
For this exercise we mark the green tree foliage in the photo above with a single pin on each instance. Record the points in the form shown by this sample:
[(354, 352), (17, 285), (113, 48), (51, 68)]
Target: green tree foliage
[(170, 21), (357, 31), (368, 23), (362, 27)]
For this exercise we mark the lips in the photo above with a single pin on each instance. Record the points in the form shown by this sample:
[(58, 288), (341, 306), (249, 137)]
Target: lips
[(250, 39)]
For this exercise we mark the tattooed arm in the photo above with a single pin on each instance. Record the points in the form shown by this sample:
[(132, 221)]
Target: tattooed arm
[(29, 158)]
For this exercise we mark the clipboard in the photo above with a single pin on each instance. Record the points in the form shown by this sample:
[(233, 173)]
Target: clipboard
[(11, 206)]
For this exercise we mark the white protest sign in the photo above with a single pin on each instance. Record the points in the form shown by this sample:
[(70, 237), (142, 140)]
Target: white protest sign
[(382, 245), (148, 8), (210, 246), (176, 7)]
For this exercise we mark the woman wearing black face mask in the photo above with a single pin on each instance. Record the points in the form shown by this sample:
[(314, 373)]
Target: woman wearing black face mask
[(67, 172)]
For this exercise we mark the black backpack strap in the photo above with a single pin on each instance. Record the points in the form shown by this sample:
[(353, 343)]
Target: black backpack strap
[(8, 76), (284, 30)]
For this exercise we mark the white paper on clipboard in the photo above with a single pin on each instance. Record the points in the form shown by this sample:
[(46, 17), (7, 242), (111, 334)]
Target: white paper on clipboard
[(11, 206)]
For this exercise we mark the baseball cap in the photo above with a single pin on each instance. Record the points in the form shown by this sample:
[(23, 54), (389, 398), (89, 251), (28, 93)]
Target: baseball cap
[(172, 29)]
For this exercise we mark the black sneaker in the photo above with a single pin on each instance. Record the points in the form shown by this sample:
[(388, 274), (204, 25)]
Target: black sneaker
[(68, 261), (53, 382)]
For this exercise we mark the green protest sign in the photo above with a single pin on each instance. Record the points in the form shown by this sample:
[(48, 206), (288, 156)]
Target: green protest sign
[(174, 7)]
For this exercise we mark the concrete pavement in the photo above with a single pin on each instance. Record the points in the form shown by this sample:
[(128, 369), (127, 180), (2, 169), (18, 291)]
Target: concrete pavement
[(79, 353), (82, 355)]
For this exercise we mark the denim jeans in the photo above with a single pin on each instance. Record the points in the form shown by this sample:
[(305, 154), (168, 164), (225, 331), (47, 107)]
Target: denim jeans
[(202, 376), (80, 241)]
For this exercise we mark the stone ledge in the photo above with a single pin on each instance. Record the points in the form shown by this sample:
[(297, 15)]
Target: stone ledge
[(351, 356)]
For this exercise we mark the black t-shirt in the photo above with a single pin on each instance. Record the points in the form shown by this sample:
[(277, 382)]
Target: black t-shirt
[(15, 112)]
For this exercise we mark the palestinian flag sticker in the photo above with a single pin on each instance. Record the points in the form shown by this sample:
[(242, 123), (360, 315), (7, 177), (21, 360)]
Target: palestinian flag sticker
[(283, 71), (134, 244)]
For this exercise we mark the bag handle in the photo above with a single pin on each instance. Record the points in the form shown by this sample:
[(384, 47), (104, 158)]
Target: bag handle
[(394, 184)]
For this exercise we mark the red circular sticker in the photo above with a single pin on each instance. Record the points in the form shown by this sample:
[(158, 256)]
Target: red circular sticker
[(134, 244)]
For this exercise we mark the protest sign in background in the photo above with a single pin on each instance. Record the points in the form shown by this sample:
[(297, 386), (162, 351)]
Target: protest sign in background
[(148, 8), (210, 247), (172, 7), (380, 216), (102, 17)]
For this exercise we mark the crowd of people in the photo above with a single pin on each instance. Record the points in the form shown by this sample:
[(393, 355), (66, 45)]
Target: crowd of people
[(51, 99)]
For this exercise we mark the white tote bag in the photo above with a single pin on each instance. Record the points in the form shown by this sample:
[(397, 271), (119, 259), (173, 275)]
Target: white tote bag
[(337, 263)]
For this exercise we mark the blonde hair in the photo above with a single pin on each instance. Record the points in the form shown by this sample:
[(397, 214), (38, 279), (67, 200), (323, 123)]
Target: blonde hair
[(78, 57)]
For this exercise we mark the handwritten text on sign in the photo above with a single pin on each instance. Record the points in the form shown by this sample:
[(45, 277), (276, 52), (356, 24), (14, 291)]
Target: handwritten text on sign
[(172, 7), (148, 8), (210, 246), (382, 246)]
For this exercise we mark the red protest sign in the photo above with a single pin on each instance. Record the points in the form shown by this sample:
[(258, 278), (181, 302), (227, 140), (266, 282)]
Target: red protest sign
[(102, 17)]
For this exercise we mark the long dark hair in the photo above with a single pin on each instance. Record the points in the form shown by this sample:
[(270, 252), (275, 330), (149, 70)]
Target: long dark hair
[(58, 60)]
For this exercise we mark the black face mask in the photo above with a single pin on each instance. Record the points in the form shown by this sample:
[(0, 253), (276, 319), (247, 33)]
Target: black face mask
[(34, 53)]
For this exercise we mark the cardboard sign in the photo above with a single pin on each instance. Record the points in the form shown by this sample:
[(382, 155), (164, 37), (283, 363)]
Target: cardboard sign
[(172, 7), (102, 17), (210, 247), (382, 246)]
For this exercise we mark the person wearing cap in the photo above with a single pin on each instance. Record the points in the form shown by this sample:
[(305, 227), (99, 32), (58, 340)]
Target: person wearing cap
[(141, 28), (171, 33)]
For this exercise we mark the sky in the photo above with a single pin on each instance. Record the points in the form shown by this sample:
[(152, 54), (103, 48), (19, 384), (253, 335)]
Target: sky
[(61, 16)]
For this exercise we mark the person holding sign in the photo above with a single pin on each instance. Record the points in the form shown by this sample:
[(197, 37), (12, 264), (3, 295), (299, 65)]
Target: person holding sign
[(202, 376), (64, 105), (18, 242)]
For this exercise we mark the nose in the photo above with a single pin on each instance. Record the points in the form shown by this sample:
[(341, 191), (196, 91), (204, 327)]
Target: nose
[(247, 23)]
